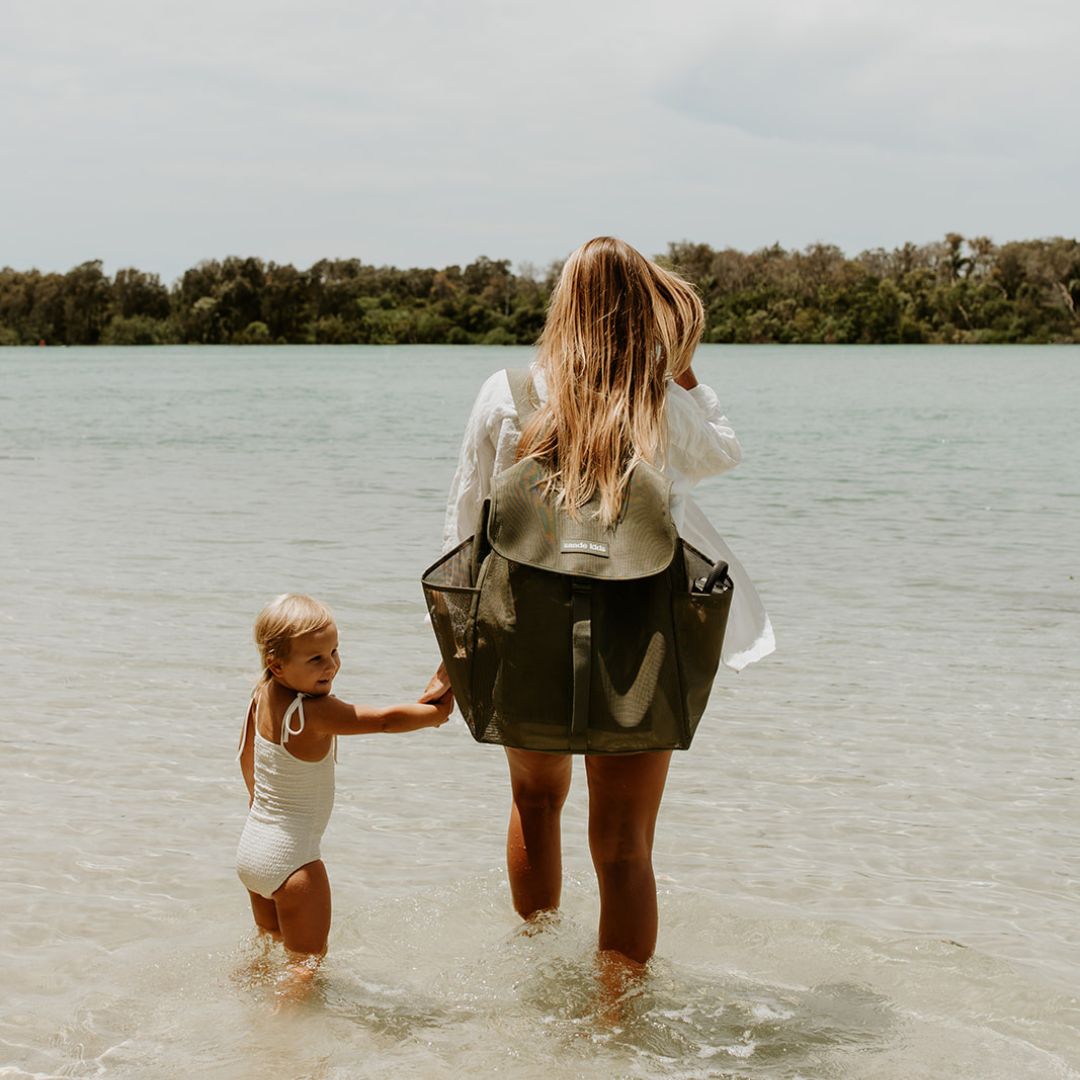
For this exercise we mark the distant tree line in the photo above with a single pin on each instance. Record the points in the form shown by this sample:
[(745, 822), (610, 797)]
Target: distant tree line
[(956, 290)]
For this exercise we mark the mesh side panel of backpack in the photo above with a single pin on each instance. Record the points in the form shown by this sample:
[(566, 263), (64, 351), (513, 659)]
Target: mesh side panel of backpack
[(450, 592), (700, 622)]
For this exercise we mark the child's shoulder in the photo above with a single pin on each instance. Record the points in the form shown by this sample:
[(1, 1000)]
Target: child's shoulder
[(271, 701), (319, 705)]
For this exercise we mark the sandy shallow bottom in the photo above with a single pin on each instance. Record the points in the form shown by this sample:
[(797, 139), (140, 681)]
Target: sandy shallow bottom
[(442, 984)]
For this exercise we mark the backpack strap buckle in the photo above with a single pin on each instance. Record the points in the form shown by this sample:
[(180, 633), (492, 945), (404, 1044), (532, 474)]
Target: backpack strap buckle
[(581, 643)]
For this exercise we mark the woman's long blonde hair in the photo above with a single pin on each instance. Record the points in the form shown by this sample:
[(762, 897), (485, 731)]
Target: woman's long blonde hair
[(617, 328)]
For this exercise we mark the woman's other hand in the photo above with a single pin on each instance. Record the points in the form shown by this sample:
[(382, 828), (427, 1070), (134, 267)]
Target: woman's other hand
[(437, 687)]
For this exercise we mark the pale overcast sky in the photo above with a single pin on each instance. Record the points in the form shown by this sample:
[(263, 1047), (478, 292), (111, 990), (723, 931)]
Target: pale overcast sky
[(418, 132)]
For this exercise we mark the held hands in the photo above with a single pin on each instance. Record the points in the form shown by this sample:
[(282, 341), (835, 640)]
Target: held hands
[(438, 686), (441, 708), (439, 696)]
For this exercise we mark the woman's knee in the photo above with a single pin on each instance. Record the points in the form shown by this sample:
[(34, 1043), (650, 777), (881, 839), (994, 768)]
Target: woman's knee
[(539, 783), (624, 800), (539, 799), (619, 852)]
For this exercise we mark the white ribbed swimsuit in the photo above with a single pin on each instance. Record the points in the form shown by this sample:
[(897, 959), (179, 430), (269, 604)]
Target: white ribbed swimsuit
[(289, 812)]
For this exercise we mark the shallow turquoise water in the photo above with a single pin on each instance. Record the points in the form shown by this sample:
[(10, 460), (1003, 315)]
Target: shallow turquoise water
[(867, 861)]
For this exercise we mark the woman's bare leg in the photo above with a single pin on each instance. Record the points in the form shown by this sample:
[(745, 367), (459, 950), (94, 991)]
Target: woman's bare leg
[(624, 800), (539, 784)]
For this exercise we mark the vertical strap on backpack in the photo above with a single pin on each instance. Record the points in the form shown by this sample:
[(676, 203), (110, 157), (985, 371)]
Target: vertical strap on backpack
[(524, 393), (581, 638)]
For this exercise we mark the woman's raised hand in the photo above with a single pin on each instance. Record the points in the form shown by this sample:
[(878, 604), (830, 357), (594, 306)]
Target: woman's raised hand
[(687, 380)]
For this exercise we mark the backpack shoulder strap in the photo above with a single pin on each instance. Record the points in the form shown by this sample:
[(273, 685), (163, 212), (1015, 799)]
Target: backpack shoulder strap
[(521, 387)]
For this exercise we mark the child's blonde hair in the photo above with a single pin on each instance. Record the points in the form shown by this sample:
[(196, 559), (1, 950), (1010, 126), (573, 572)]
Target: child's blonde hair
[(286, 617)]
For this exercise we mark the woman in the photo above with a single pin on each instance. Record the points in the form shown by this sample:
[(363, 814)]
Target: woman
[(614, 377)]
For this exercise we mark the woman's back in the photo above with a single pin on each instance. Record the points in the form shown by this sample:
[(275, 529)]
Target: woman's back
[(699, 442), (619, 335)]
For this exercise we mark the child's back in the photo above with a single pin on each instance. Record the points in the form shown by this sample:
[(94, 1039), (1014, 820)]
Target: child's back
[(292, 796)]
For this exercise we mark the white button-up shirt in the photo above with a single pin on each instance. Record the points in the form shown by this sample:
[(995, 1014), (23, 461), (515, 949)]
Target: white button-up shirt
[(700, 443)]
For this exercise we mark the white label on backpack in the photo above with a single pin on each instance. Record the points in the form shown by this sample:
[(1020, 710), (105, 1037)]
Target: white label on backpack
[(585, 547)]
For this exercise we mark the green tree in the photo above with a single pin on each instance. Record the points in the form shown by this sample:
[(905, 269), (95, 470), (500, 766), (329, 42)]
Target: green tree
[(138, 330), (87, 293)]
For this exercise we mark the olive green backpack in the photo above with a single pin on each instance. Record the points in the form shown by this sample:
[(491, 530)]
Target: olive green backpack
[(560, 634)]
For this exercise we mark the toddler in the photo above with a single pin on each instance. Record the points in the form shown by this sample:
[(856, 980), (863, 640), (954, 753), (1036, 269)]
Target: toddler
[(287, 753)]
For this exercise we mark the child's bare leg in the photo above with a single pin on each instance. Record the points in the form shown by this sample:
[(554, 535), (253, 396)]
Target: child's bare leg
[(539, 784), (303, 911), (265, 913)]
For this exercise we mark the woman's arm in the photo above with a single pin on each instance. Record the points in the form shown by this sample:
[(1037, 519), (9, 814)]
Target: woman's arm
[(331, 716), (476, 463), (701, 442)]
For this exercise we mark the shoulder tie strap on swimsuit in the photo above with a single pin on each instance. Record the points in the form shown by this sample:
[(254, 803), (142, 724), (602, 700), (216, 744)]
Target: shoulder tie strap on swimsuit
[(253, 707), (296, 708)]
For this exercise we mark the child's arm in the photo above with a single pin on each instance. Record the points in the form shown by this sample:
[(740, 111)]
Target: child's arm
[(331, 716), (247, 757)]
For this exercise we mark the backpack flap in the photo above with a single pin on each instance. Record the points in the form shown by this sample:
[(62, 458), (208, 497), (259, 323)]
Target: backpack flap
[(524, 527)]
